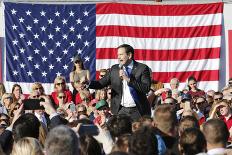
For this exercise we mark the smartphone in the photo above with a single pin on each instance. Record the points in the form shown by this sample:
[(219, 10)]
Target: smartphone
[(72, 107), (32, 104), (88, 129)]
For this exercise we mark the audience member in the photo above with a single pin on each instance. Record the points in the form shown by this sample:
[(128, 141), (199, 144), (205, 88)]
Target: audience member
[(193, 90)]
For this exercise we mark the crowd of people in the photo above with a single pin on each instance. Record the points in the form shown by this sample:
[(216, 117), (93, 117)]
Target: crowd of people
[(123, 113)]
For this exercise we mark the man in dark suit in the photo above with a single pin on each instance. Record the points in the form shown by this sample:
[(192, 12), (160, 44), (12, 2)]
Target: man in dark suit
[(130, 81)]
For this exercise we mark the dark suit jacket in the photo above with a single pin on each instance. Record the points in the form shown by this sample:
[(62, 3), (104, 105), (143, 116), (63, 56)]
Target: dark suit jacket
[(140, 80)]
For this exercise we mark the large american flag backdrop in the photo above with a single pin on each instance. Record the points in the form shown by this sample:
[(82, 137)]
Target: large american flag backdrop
[(173, 40)]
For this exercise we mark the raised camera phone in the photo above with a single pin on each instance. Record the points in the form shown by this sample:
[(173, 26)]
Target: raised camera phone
[(32, 104), (88, 129)]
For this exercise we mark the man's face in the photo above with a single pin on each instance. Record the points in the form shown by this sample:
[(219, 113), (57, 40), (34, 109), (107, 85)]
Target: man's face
[(123, 57)]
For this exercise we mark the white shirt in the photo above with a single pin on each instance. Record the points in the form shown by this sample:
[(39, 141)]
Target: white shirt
[(127, 99), (41, 118), (216, 151)]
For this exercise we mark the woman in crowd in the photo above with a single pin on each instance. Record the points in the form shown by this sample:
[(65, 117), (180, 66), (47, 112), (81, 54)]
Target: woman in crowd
[(78, 73), (2, 90), (7, 100), (27, 146), (17, 93), (60, 86), (193, 90)]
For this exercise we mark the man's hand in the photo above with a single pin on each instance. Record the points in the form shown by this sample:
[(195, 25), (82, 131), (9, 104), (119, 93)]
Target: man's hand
[(123, 76), (17, 114)]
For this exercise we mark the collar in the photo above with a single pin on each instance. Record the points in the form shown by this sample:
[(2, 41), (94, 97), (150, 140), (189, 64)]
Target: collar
[(216, 151), (131, 65)]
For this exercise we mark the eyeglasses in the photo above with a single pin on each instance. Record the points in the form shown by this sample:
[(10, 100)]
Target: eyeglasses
[(200, 102), (61, 97), (101, 75), (59, 84)]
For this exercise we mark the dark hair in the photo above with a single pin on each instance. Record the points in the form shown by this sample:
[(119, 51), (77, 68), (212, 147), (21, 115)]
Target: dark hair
[(118, 153), (192, 141), (27, 125), (143, 142), (16, 85), (215, 131), (89, 146), (62, 140), (188, 122), (129, 49), (82, 65), (119, 125)]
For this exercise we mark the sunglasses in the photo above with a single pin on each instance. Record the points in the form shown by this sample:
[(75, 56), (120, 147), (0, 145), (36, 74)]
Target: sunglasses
[(78, 61), (4, 119), (61, 97), (36, 96), (9, 97), (101, 75), (59, 84), (39, 88), (200, 102), (192, 84), (218, 99)]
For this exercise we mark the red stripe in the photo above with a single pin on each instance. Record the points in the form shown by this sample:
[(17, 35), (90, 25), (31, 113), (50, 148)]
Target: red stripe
[(206, 75), (163, 55), (159, 32), (230, 52), (1, 47), (159, 10)]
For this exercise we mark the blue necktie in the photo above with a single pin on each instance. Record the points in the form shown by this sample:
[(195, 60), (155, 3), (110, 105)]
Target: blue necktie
[(132, 90)]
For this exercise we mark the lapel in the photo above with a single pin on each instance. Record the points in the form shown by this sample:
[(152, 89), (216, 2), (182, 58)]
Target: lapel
[(134, 69)]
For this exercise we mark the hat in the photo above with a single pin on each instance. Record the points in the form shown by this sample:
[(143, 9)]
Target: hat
[(100, 104), (185, 97), (77, 58)]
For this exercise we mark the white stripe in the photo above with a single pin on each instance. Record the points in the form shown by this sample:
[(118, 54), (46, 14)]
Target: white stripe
[(168, 66), (204, 85), (26, 87), (159, 21), (159, 43)]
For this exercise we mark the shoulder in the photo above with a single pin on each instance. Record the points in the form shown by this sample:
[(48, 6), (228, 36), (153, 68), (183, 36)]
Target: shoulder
[(71, 73), (140, 65)]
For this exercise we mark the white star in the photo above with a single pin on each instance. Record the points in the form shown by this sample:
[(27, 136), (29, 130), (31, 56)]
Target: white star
[(57, 29), (72, 43), (65, 36), (58, 44), (29, 43), (15, 42), (65, 67), (44, 73), (71, 28), (36, 21), (15, 57), (22, 65), (36, 51), (86, 43), (50, 21), (86, 13), (79, 51), (78, 21), (79, 36), (71, 13), (51, 66), (72, 59), (28, 13), (14, 27), (36, 36), (30, 58), (64, 21), (13, 12), (29, 73), (43, 43), (22, 50), (87, 58), (43, 28), (86, 28), (21, 20), (15, 72), (58, 74), (57, 13), (58, 59), (50, 51), (21, 35), (50, 36), (44, 58), (36, 66), (28, 28), (42, 13), (65, 51)]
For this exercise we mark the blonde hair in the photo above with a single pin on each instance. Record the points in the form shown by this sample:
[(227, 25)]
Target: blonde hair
[(35, 85), (5, 95), (27, 146), (59, 78)]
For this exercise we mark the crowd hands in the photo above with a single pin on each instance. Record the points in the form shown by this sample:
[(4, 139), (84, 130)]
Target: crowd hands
[(186, 122)]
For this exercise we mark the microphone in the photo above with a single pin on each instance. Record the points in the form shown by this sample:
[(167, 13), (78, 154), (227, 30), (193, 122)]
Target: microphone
[(120, 66)]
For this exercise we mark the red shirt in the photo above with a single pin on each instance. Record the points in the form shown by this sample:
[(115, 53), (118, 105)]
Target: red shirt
[(68, 95), (198, 93), (228, 122)]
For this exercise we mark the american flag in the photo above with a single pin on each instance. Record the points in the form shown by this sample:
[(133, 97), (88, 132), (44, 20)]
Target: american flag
[(173, 40)]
